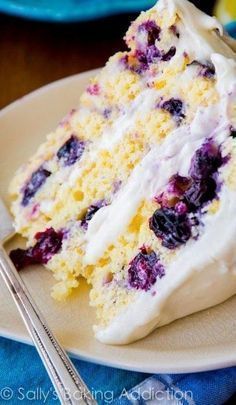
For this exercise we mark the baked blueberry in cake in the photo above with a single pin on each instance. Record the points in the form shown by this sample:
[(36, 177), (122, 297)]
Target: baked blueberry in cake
[(135, 190)]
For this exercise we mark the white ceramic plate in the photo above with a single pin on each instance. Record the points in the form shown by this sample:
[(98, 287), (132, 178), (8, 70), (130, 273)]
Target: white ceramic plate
[(204, 341)]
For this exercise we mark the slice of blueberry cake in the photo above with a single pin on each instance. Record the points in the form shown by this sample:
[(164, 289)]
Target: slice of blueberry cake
[(136, 188)]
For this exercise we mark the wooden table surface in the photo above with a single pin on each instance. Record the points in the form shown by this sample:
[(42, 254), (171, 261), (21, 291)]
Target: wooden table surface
[(33, 53)]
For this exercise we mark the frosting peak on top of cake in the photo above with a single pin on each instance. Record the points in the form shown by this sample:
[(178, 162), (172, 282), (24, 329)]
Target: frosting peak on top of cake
[(190, 14), (203, 35), (202, 30)]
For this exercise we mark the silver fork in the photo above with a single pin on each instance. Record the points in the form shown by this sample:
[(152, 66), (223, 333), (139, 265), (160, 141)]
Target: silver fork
[(68, 384)]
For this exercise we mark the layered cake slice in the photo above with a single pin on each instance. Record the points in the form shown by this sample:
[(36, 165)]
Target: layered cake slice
[(136, 188)]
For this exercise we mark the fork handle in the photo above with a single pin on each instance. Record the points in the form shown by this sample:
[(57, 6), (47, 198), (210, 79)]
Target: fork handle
[(68, 384)]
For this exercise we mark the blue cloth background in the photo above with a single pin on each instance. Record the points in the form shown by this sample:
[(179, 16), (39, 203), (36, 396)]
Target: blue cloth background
[(24, 380), (21, 367)]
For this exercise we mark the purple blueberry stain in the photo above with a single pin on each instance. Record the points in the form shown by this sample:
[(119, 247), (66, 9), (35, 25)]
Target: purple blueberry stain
[(152, 55), (34, 211), (175, 189), (116, 186), (174, 30), (91, 211), (139, 68), (48, 243), (148, 53), (67, 118), (93, 89), (169, 54), (178, 184), (233, 133), (124, 61), (175, 107), (206, 70), (181, 207), (107, 113), (148, 57), (144, 270), (152, 30), (38, 178), (71, 151)]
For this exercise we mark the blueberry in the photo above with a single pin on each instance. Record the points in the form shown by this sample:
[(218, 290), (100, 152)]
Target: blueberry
[(71, 151), (143, 63), (47, 244), (152, 54), (168, 55), (175, 107), (91, 211), (208, 71), (184, 197), (152, 30), (172, 227), (176, 187), (37, 179), (144, 270), (233, 133), (206, 161), (200, 193), (145, 57), (178, 184)]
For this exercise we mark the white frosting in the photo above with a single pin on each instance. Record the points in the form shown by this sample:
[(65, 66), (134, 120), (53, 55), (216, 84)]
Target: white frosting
[(225, 73), (203, 274), (147, 180), (46, 206), (199, 36), (201, 265)]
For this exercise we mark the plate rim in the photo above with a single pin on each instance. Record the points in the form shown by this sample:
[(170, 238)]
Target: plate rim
[(220, 364), (178, 368)]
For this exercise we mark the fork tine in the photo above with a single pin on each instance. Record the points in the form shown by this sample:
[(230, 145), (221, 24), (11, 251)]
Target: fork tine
[(6, 226)]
